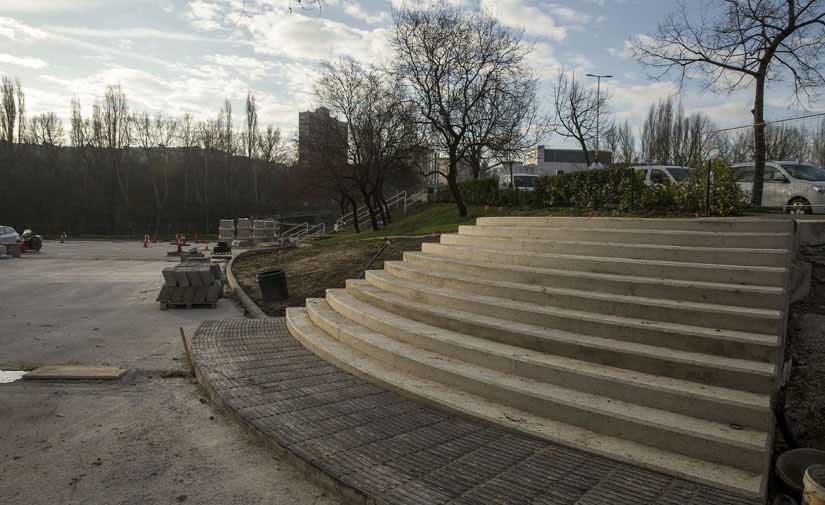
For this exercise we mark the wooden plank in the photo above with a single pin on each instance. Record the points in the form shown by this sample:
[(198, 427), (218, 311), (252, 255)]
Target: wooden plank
[(76, 373)]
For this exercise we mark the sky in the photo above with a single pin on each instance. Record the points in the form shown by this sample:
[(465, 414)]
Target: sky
[(179, 56)]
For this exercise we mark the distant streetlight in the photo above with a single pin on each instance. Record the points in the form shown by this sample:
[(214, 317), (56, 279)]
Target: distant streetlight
[(598, 103)]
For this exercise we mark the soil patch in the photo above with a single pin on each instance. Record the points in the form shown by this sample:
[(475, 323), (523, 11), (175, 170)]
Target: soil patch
[(313, 268)]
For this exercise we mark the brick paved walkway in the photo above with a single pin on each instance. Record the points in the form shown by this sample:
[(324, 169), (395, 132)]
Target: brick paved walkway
[(396, 451)]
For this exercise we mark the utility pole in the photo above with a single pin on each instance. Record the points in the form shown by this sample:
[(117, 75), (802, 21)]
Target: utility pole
[(598, 104)]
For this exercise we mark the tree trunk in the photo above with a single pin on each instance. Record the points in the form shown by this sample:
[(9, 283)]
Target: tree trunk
[(370, 209), (758, 142), (355, 215), (452, 182), (586, 152)]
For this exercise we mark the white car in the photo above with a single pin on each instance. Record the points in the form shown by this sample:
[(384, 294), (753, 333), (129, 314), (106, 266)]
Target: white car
[(664, 175), (524, 182), (797, 188), (8, 235)]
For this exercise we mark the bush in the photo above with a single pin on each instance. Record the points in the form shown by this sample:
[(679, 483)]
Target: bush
[(611, 189)]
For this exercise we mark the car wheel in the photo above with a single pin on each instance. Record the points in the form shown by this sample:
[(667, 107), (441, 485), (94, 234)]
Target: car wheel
[(799, 206)]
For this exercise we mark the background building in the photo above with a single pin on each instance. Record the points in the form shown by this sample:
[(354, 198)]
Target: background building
[(562, 161), (321, 138)]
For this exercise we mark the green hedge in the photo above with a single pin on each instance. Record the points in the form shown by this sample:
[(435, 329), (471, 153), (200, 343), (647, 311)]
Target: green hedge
[(611, 189)]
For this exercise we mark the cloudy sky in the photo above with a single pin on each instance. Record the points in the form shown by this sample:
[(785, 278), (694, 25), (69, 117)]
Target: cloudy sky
[(186, 56)]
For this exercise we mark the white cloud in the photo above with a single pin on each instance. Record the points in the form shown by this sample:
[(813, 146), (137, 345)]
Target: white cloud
[(299, 36), (23, 61), (44, 6), (533, 19), (20, 31), (253, 68), (131, 33), (356, 11), (205, 15)]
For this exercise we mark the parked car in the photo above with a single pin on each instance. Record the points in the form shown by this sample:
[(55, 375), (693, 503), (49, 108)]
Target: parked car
[(664, 175), (524, 182), (798, 188), (8, 235)]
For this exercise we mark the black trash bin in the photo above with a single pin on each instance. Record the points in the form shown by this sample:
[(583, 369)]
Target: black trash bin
[(273, 285)]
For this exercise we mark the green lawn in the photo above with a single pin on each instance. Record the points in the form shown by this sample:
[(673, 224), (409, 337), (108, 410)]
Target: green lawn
[(442, 218)]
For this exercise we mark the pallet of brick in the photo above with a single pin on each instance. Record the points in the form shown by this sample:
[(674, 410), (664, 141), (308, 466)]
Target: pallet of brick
[(226, 230), (244, 233), (191, 284)]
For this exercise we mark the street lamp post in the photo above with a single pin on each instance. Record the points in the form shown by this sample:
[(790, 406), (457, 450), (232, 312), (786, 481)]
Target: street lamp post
[(598, 103)]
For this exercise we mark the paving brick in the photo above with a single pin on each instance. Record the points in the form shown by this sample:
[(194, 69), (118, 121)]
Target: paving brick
[(403, 453)]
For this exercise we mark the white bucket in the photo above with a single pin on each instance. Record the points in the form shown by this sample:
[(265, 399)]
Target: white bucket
[(814, 482)]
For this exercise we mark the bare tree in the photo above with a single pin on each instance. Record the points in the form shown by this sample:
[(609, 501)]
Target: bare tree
[(670, 136), (818, 143), (451, 61), (737, 43), (251, 144), (578, 111), (47, 129), (625, 144), (155, 135), (112, 133), (381, 132), (12, 122)]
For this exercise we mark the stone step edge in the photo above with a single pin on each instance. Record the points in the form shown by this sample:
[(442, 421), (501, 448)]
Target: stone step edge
[(766, 314), (769, 341), (473, 407), (786, 225), (626, 261), (766, 371), (768, 252), (651, 231), (751, 404)]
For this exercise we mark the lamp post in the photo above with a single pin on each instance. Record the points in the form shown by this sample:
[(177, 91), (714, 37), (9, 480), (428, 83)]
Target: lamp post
[(598, 103)]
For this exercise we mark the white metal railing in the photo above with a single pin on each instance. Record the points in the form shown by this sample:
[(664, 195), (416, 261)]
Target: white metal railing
[(302, 232), (400, 199)]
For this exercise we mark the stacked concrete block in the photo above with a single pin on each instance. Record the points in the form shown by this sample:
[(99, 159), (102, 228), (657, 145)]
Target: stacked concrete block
[(186, 285), (226, 230), (264, 230), (244, 230)]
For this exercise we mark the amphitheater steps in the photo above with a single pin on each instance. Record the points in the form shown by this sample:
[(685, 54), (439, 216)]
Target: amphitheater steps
[(739, 256), (656, 341), (481, 408), (641, 285), (700, 314)]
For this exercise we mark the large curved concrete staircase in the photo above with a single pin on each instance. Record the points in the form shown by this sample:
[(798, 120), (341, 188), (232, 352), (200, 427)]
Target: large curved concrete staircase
[(653, 341)]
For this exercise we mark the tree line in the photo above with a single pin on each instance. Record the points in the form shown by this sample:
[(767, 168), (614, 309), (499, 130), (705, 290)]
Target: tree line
[(118, 171)]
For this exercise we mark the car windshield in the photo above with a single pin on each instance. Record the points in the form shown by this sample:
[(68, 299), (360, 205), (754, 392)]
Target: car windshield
[(805, 172), (525, 181), (679, 173)]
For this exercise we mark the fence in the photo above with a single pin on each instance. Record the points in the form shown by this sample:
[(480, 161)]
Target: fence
[(400, 200)]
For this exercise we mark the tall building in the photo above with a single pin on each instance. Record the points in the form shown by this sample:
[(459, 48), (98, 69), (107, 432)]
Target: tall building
[(322, 138)]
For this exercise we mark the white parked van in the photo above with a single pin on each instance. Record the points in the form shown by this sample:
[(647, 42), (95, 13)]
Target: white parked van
[(523, 182), (798, 188), (663, 175)]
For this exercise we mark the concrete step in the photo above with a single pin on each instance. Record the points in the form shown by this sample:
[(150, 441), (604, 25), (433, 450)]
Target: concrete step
[(669, 311), (722, 405), (638, 236), (722, 371), (716, 442), (705, 272), (740, 225), (638, 285), (478, 407), (715, 255), (736, 344)]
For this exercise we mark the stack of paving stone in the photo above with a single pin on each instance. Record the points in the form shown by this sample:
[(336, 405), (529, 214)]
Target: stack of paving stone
[(264, 230), (188, 285), (244, 231), (226, 230)]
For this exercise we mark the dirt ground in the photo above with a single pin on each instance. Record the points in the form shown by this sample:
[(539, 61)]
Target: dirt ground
[(149, 438), (805, 394), (312, 269)]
